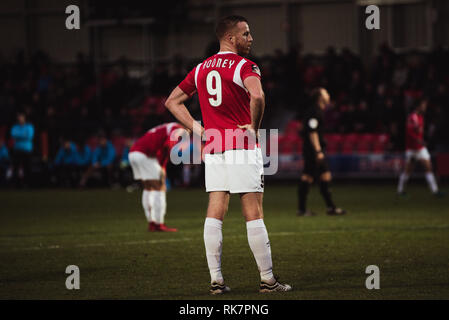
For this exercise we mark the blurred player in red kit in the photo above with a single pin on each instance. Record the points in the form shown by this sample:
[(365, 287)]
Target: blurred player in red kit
[(415, 149), (148, 158), (231, 99)]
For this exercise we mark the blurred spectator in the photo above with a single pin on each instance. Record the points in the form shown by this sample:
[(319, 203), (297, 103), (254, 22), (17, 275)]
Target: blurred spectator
[(84, 156), (66, 164), (4, 161), (22, 134), (103, 158), (72, 100)]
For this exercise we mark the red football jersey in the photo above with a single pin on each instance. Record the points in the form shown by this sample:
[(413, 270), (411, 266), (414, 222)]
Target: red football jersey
[(414, 132), (223, 98), (156, 142)]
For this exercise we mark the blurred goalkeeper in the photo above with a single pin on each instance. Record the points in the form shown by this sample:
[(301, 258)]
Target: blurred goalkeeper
[(315, 164), (148, 157)]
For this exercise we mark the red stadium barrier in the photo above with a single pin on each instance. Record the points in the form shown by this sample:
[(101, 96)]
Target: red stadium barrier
[(119, 143), (289, 143), (365, 143), (442, 164), (333, 141), (350, 143)]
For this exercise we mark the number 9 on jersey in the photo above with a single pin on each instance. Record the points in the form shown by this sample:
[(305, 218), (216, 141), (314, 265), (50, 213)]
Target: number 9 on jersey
[(216, 92)]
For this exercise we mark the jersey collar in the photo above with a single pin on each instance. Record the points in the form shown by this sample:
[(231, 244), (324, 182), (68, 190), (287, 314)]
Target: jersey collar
[(225, 52)]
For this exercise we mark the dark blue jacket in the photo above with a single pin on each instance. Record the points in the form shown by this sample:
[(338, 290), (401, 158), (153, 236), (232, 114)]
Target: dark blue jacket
[(67, 156), (4, 154), (85, 156), (104, 155)]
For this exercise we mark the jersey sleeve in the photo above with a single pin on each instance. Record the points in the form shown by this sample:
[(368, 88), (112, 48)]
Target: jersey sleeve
[(312, 121), (312, 124), (188, 84), (250, 69)]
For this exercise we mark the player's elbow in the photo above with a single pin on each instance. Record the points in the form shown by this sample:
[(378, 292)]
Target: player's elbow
[(258, 97), (169, 103)]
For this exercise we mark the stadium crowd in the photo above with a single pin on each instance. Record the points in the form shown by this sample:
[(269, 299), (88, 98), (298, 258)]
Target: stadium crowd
[(84, 117)]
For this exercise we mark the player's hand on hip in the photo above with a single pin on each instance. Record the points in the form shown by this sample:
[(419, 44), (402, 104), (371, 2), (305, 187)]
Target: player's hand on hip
[(251, 129), (320, 156)]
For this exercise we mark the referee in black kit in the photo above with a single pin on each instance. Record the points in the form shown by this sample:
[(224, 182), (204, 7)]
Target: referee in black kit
[(315, 164)]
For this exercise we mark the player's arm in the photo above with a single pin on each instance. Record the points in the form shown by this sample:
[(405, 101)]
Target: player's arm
[(175, 104), (315, 140), (257, 101)]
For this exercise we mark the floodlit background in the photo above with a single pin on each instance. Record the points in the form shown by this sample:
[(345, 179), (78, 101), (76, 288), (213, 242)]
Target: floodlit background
[(114, 74)]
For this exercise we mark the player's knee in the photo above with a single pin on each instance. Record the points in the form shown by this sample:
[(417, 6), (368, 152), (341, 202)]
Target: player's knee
[(216, 213), (428, 167), (326, 176), (307, 178), (253, 215)]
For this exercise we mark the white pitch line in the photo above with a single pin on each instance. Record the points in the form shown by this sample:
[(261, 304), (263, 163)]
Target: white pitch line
[(154, 241), (139, 242)]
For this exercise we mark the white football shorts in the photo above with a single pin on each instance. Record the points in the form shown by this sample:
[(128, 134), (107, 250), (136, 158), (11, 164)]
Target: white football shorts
[(144, 167), (421, 154), (235, 171)]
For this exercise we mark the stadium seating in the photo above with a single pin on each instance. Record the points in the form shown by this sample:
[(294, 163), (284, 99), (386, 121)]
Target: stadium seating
[(333, 141), (351, 143), (380, 143), (290, 143), (365, 143), (442, 164), (119, 143), (293, 126)]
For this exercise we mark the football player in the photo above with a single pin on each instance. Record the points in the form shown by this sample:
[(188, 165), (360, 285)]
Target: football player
[(232, 102), (415, 149), (148, 157)]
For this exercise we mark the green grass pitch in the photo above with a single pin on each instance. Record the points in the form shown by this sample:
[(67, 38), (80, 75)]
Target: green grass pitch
[(104, 233)]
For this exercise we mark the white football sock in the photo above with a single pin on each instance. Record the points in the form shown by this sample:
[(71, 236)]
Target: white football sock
[(402, 181), (146, 205), (213, 240), (158, 204), (431, 181), (260, 246)]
